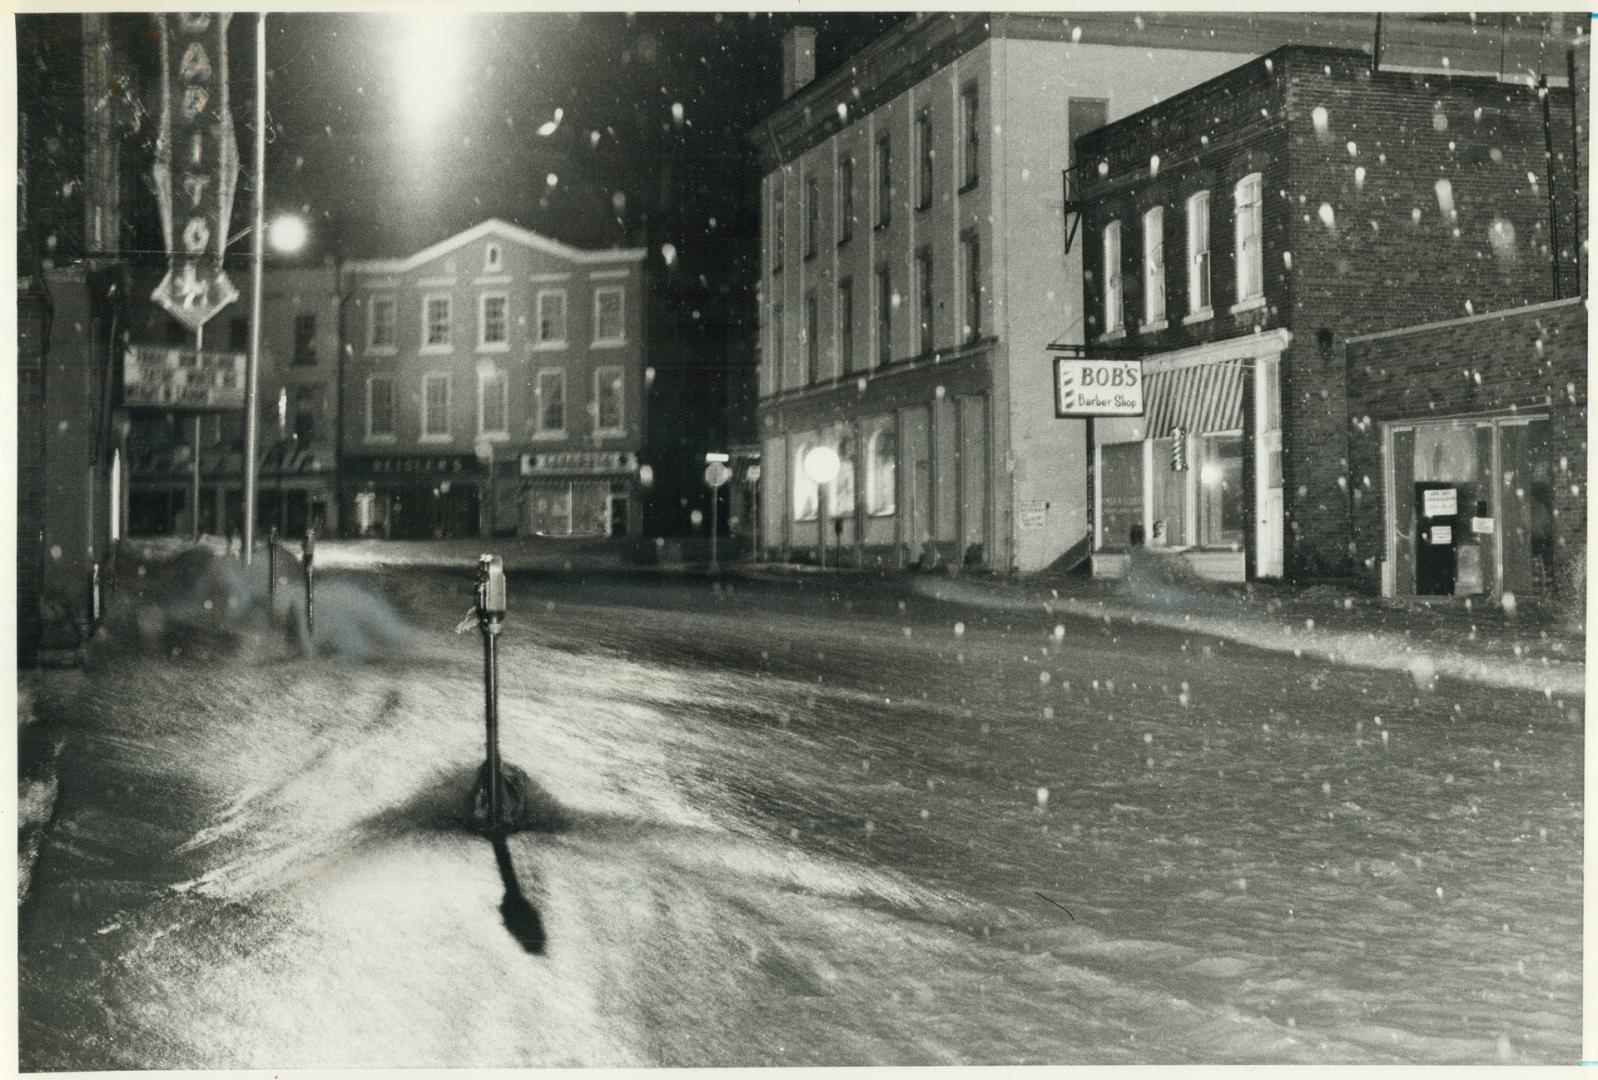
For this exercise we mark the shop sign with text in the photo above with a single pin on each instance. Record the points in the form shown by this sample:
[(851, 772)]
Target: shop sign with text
[(1097, 387), (196, 164)]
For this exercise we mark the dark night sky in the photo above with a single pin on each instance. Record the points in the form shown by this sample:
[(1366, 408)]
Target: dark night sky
[(345, 150)]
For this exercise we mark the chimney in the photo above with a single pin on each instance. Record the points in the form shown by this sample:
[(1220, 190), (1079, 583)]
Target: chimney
[(798, 59)]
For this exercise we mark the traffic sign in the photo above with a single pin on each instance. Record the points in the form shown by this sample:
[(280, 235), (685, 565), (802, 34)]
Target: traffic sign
[(717, 474), (718, 457)]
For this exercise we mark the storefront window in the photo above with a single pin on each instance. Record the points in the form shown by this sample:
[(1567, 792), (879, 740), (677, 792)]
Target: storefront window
[(805, 492), (1221, 491), (1121, 503), (882, 467), (843, 498)]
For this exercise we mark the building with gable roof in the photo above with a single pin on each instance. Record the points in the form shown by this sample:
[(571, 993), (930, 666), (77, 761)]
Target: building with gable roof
[(495, 384)]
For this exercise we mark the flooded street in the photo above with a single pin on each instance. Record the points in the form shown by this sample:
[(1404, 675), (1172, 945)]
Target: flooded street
[(790, 823)]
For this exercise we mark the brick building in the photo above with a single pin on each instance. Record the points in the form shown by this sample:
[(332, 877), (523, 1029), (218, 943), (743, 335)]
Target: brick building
[(914, 267), (1238, 234), (498, 340), (1468, 454), (297, 395)]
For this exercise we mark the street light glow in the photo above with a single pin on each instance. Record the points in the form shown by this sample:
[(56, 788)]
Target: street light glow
[(287, 234), (429, 62), (821, 464)]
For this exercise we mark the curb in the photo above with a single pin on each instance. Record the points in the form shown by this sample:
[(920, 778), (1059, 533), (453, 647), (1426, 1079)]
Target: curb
[(1369, 650)]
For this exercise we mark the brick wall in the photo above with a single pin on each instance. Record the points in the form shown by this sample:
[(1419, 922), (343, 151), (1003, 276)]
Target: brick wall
[(30, 470), (1359, 233), (1525, 361)]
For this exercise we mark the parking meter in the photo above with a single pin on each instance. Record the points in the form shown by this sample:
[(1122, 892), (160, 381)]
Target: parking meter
[(491, 601)]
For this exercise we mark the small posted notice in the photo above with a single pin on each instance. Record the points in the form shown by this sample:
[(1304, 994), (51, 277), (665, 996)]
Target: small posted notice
[(1034, 513), (1442, 534), (1481, 525), (1441, 502)]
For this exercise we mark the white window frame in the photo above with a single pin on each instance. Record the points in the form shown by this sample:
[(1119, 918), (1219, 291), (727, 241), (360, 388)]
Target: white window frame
[(1248, 224), (539, 431), (1199, 259), (448, 345), (485, 376), (875, 496), (779, 224), (372, 346), (542, 342), (970, 136), (1154, 268), (971, 287), (621, 315), (843, 196), (483, 344), (1114, 299), (393, 409), (432, 436), (620, 427)]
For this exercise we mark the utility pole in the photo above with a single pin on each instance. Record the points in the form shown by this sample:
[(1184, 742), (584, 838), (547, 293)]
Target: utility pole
[(252, 433)]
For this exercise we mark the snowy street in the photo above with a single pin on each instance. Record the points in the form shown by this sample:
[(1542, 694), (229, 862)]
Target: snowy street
[(814, 821)]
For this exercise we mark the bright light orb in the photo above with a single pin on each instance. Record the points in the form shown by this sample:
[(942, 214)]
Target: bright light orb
[(287, 234), (821, 465)]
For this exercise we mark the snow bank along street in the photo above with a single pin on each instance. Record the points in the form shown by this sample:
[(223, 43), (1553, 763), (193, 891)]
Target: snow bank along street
[(793, 822)]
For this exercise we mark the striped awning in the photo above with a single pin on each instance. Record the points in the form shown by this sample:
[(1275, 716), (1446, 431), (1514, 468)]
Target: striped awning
[(1197, 398)]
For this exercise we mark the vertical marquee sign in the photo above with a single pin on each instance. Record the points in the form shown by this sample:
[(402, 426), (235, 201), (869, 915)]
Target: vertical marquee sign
[(196, 164)]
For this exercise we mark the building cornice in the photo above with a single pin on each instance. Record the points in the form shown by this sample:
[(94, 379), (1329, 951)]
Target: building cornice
[(1243, 347), (1464, 320), (924, 44), (505, 230)]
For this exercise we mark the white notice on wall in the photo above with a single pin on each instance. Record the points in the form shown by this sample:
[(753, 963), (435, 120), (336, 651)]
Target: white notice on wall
[(1481, 525), (1442, 534), (1441, 502), (1034, 513)]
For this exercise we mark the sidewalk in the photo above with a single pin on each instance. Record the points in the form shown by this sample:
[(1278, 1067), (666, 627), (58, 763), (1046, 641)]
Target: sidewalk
[(1521, 646), (1525, 646)]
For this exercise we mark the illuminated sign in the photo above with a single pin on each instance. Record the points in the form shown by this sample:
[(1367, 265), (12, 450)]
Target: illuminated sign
[(175, 378), (196, 165), (580, 462)]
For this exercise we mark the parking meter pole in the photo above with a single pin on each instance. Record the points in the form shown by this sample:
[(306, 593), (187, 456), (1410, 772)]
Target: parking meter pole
[(491, 604), (715, 494), (491, 711), (271, 566), (310, 581)]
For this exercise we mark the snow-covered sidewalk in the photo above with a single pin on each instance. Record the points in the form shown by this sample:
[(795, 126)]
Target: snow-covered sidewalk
[(1486, 645)]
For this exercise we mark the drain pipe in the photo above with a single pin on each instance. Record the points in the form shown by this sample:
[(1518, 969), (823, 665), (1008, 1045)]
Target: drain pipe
[(1553, 205)]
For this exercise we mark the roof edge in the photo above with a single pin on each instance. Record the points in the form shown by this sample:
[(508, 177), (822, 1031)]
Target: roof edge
[(502, 228)]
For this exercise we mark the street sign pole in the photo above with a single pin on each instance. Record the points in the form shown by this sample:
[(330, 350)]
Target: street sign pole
[(716, 474), (252, 434), (194, 463)]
